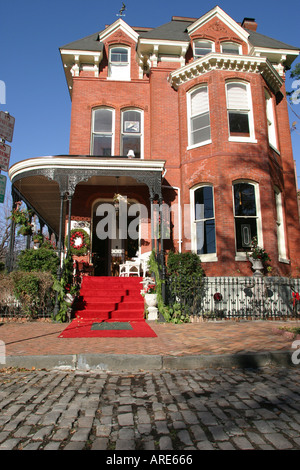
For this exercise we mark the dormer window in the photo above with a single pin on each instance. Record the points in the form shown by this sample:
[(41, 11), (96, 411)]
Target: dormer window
[(202, 48), (231, 48), (119, 63)]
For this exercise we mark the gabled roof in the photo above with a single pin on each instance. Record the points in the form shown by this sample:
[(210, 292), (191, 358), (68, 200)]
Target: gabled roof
[(89, 43), (175, 30), (259, 40)]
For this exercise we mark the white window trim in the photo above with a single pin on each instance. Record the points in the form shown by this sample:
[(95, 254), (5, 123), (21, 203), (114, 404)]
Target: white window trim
[(141, 133), (99, 133), (189, 116), (251, 138), (197, 41), (122, 79), (242, 256), (210, 257), (281, 241), (271, 122), (234, 43)]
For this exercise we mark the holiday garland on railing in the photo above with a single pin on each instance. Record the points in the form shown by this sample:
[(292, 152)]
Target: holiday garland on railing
[(79, 242)]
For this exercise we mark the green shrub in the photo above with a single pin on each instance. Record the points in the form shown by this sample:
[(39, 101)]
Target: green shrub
[(34, 290), (185, 287), (43, 259)]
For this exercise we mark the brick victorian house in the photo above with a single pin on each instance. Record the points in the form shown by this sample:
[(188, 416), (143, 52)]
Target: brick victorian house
[(192, 114)]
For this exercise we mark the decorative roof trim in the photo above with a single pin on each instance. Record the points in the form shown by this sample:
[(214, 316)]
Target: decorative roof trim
[(232, 63), (217, 12), (119, 24), (81, 162)]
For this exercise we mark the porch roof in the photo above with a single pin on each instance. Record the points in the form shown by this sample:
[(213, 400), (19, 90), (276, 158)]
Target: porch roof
[(41, 182)]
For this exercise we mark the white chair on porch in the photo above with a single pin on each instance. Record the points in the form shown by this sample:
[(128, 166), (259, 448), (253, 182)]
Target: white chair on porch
[(136, 266)]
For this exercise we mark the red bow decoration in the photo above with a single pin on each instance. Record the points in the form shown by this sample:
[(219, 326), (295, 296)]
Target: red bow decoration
[(296, 296)]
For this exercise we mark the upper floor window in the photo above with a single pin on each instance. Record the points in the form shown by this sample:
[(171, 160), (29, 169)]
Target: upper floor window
[(231, 48), (203, 222), (246, 215), (270, 120), (132, 132), (198, 116), (102, 132), (119, 63), (239, 110), (202, 48)]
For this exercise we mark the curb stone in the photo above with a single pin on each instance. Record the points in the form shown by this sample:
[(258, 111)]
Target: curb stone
[(124, 362)]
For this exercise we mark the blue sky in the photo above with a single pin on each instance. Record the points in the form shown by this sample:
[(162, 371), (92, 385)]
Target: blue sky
[(32, 31)]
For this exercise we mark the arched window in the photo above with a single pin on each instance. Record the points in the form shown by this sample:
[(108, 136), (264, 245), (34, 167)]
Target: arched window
[(239, 110), (203, 222), (132, 132), (246, 215), (102, 132), (198, 117), (203, 47), (119, 63), (231, 48)]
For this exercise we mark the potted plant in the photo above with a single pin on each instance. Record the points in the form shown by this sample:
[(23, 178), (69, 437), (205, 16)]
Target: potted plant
[(258, 257), (21, 217), (150, 295)]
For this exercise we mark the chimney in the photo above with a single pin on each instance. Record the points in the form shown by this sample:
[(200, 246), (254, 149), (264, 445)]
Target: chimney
[(249, 23)]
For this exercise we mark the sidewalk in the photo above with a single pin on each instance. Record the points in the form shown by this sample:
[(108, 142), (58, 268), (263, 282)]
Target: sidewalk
[(194, 345)]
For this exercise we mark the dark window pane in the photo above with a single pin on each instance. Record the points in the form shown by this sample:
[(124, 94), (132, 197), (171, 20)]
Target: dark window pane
[(131, 143), (204, 207), (102, 146), (245, 230), (119, 55), (206, 237), (239, 124), (244, 200), (102, 120)]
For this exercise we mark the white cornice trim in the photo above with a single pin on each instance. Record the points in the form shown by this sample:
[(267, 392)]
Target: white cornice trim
[(83, 163), (232, 63), (217, 12), (119, 24)]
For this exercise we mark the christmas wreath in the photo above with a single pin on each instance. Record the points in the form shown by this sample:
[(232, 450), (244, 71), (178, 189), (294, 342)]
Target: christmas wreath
[(79, 242)]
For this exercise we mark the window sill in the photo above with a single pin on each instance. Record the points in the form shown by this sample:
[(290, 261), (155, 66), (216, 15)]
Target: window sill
[(115, 79), (190, 147), (241, 257), (274, 148), (248, 140), (211, 258), (283, 260)]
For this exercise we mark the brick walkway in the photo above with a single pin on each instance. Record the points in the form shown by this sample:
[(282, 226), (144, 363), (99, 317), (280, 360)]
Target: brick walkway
[(41, 338)]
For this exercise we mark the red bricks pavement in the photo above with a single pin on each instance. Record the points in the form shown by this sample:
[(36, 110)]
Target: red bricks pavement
[(41, 338)]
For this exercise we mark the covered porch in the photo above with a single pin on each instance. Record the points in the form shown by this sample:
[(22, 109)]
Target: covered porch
[(66, 192)]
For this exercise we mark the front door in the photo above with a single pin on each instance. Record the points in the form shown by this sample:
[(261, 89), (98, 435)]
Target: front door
[(108, 253)]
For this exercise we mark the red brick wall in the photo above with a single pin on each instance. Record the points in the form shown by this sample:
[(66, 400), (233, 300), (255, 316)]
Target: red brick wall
[(219, 163)]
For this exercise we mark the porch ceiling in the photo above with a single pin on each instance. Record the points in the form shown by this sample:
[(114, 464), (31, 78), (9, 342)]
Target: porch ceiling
[(41, 181)]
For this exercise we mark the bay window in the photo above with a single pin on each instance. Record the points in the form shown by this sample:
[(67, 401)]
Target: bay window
[(239, 111), (199, 119)]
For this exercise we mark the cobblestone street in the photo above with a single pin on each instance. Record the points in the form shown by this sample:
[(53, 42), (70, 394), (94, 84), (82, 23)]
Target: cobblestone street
[(159, 410)]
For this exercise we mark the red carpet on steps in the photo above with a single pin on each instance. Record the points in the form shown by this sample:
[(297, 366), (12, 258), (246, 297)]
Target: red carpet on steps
[(113, 301)]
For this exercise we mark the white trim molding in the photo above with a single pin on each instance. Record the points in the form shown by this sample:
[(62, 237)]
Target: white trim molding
[(229, 62)]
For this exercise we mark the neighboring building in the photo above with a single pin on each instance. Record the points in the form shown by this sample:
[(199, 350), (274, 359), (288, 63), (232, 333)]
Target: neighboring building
[(201, 102)]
